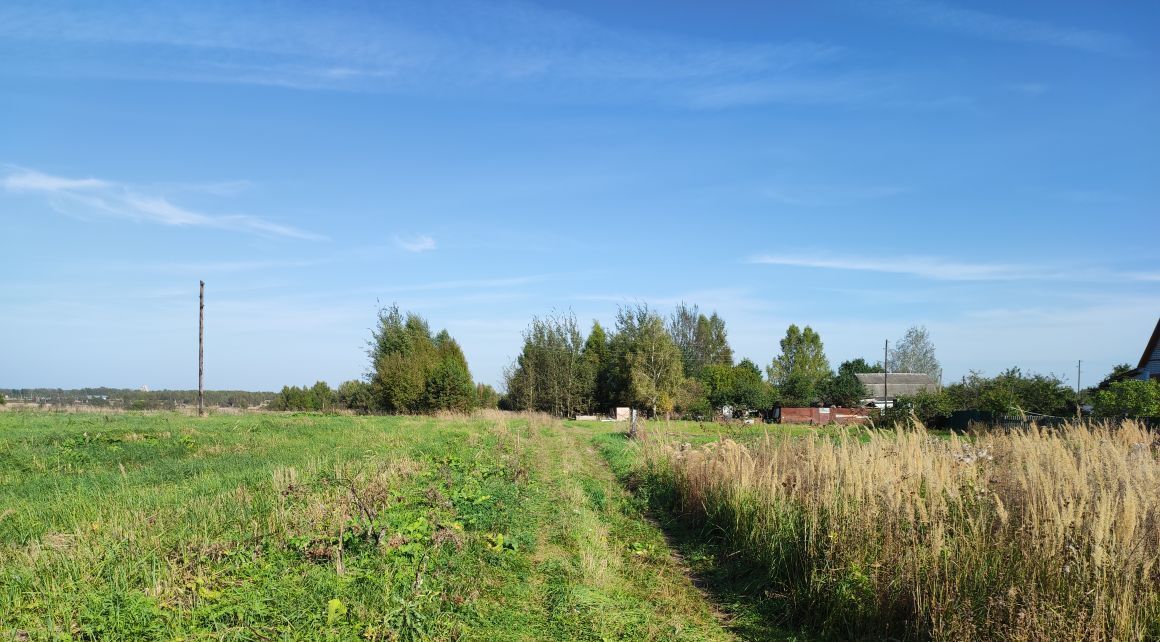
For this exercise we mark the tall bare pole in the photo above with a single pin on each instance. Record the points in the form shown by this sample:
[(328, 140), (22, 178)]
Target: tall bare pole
[(201, 350), (885, 371)]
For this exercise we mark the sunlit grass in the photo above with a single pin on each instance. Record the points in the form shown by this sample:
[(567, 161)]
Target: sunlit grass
[(262, 527), (1022, 536)]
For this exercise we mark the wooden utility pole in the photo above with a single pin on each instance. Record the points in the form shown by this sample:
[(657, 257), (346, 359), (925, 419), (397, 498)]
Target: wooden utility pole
[(1078, 389), (885, 370), (201, 351)]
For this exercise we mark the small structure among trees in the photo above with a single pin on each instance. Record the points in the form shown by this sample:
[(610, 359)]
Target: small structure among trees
[(882, 389)]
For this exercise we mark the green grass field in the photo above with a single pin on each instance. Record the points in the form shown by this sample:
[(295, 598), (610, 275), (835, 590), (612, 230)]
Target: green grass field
[(288, 527)]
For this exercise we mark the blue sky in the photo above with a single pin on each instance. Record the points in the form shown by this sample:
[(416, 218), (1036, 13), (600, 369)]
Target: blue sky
[(988, 169)]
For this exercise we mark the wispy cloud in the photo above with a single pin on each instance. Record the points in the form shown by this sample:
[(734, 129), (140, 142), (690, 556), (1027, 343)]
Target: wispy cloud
[(431, 47), (940, 269), (85, 197), (923, 267), (972, 22), (416, 244)]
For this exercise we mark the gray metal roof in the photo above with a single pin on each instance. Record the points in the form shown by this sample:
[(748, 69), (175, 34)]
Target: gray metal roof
[(897, 383)]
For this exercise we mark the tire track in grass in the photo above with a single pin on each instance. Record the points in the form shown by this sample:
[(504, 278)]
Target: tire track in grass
[(604, 568), (735, 599)]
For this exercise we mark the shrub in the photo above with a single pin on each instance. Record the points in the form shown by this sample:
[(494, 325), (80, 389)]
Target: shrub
[(1128, 398)]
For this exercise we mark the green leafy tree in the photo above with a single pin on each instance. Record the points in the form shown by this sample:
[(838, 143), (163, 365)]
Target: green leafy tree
[(842, 389), (1117, 371), (926, 406), (800, 368), (650, 368), (701, 340), (448, 349), (449, 387), (712, 341), (1000, 400), (1128, 398), (683, 330), (402, 357), (317, 398), (859, 366), (691, 400), (797, 390), (717, 386), (551, 374), (486, 396), (322, 397), (413, 372), (750, 391), (355, 395), (597, 356)]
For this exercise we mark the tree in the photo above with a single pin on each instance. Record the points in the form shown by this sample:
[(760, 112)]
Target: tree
[(712, 341), (448, 387), (486, 396), (750, 391), (859, 366), (691, 400), (448, 349), (915, 353), (701, 340), (717, 386), (843, 389), (317, 398), (597, 359), (1117, 371), (550, 374), (649, 363), (413, 372), (683, 330), (355, 395), (402, 357), (321, 397), (801, 367), (1128, 398)]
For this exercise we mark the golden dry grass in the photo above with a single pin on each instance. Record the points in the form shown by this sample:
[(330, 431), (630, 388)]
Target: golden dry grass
[(1031, 535)]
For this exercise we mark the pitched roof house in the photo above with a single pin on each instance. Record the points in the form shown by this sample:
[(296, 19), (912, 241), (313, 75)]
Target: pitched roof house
[(882, 388), (1149, 366)]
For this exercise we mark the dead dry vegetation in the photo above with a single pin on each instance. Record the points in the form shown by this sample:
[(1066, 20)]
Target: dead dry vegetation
[(1031, 535)]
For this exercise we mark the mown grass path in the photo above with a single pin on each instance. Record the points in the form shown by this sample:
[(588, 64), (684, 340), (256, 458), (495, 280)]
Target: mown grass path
[(305, 527)]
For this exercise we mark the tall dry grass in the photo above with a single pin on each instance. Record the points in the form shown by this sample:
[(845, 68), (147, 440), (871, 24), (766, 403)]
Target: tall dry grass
[(1024, 536)]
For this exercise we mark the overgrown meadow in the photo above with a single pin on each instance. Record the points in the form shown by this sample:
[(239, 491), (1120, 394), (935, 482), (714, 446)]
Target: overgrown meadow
[(1031, 535), (309, 527)]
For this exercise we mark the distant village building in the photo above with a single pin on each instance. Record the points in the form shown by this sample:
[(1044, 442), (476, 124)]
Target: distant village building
[(882, 388), (1149, 366)]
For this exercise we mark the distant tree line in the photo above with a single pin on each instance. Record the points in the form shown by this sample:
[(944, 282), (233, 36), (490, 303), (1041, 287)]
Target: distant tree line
[(133, 399), (680, 365)]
